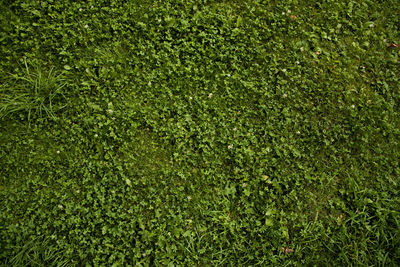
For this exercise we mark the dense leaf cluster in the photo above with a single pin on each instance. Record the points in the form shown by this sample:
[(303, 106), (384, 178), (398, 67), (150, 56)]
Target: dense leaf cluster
[(199, 132)]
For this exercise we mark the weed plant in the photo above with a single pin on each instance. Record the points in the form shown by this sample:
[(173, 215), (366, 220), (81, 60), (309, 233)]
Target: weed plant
[(32, 93)]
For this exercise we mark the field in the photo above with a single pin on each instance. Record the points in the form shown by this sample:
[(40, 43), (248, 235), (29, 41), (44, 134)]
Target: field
[(199, 133)]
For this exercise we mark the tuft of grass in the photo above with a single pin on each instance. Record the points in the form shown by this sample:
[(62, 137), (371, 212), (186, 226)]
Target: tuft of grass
[(38, 252), (33, 92)]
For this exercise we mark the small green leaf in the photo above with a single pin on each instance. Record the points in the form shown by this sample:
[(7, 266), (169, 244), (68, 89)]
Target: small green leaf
[(238, 22), (269, 212), (246, 192), (36, 13), (269, 222)]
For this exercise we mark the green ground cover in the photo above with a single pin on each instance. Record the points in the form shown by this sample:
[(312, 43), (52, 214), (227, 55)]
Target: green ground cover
[(199, 133)]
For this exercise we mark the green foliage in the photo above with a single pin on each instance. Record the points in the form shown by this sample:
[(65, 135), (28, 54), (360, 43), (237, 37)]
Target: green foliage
[(199, 133), (34, 92), (38, 252)]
